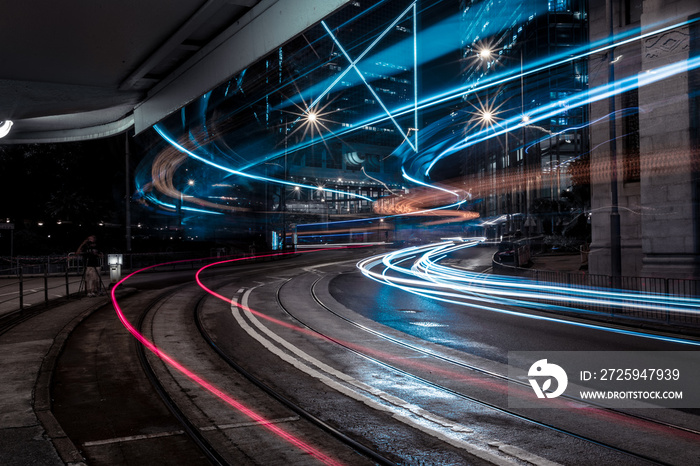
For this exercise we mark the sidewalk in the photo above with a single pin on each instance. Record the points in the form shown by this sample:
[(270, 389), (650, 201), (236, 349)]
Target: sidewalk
[(29, 433), (570, 263)]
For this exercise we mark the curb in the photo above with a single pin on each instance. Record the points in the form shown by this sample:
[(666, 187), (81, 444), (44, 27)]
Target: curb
[(69, 453)]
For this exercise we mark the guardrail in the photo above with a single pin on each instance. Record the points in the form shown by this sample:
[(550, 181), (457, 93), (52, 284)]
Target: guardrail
[(667, 314), (19, 287), (25, 278)]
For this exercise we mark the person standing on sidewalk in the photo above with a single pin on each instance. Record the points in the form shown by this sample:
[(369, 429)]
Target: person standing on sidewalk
[(91, 261)]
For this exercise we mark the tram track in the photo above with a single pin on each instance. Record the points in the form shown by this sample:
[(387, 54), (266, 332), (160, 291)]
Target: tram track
[(110, 435), (108, 400), (189, 301), (437, 386), (192, 431), (228, 449), (491, 373), (297, 408), (632, 455), (220, 441), (380, 439)]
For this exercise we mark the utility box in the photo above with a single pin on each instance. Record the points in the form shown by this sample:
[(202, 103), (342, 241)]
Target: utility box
[(115, 267)]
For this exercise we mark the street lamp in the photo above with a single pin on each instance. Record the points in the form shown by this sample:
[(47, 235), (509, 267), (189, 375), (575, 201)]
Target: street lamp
[(485, 53), (487, 117)]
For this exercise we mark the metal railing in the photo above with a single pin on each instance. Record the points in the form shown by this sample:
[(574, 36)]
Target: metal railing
[(667, 314), (25, 280), (20, 287)]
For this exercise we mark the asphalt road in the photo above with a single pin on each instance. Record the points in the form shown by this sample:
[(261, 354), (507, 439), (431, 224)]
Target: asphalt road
[(484, 338), (416, 379)]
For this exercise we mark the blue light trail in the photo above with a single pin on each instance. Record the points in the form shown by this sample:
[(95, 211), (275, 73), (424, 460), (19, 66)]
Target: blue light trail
[(417, 165), (576, 100), (542, 113), (425, 276), (371, 89), (218, 166)]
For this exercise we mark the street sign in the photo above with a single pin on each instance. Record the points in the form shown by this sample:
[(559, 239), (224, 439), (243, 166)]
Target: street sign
[(7, 226)]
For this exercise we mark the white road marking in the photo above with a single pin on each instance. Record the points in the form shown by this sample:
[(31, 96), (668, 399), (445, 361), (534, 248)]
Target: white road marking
[(132, 438), (310, 268), (171, 433), (401, 410)]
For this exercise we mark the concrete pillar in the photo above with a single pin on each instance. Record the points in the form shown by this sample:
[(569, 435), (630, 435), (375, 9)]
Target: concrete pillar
[(668, 151)]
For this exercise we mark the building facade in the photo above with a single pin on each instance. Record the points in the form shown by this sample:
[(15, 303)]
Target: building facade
[(524, 37), (644, 172)]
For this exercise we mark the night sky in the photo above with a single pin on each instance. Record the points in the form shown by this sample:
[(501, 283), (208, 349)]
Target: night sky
[(78, 184)]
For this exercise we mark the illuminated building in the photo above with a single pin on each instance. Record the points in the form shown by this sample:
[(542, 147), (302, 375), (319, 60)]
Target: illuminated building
[(501, 36), (352, 110), (360, 161)]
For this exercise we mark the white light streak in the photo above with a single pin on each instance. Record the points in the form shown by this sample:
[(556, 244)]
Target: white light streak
[(425, 276)]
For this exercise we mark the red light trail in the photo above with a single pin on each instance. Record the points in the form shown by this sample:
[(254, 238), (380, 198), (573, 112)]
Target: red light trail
[(226, 398)]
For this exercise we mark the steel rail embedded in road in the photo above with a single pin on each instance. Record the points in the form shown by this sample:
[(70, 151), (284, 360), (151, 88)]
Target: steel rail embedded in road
[(447, 389), (189, 428), (354, 444), (471, 367)]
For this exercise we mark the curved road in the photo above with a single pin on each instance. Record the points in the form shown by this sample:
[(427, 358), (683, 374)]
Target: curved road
[(411, 379)]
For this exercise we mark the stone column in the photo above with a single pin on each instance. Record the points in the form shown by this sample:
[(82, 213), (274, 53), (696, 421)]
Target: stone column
[(668, 148), (627, 63)]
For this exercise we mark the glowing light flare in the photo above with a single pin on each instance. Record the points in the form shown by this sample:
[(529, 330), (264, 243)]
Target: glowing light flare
[(5, 126), (484, 54), (486, 112), (311, 119)]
